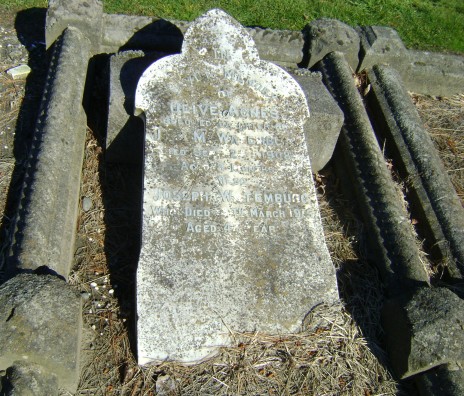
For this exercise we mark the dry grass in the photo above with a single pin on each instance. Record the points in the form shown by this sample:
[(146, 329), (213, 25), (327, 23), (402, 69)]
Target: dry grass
[(444, 119), (11, 94), (329, 357)]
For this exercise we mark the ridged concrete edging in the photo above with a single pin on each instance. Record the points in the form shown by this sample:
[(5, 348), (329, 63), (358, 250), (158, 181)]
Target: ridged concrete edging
[(46, 221), (398, 259), (45, 232), (46, 225), (387, 220), (422, 165)]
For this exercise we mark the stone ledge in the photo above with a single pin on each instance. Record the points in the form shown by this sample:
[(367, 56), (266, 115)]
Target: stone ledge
[(41, 320), (424, 329)]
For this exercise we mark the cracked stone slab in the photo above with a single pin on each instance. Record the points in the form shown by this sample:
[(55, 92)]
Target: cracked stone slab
[(231, 236)]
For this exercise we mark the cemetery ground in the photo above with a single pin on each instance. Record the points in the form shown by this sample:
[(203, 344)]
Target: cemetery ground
[(340, 348)]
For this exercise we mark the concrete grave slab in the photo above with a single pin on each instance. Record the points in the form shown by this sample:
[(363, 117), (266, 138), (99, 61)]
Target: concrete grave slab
[(422, 72), (412, 147), (45, 227), (231, 236)]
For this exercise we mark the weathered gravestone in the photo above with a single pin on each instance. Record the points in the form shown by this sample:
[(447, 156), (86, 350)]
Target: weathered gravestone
[(232, 237)]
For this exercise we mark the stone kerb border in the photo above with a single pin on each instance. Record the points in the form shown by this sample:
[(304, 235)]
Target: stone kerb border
[(422, 166), (422, 72), (81, 38)]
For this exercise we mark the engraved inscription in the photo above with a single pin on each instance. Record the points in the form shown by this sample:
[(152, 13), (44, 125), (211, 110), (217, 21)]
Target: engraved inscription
[(230, 229)]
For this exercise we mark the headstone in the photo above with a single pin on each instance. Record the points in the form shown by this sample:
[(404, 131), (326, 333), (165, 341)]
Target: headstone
[(231, 235)]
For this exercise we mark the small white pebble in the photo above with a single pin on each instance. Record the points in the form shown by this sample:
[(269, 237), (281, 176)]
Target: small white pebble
[(103, 286), (103, 296), (106, 320), (94, 327), (111, 291), (97, 273), (105, 280), (5, 147), (96, 287), (124, 320), (101, 334), (85, 295), (90, 311), (99, 305), (93, 284)]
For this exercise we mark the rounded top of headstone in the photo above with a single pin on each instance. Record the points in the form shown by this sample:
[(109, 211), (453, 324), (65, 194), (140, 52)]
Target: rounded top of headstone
[(216, 30)]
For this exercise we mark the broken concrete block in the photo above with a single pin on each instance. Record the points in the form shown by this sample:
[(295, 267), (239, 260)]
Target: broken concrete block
[(41, 323), (87, 16), (29, 379), (324, 126), (443, 380), (19, 72), (424, 330), (328, 35), (381, 45)]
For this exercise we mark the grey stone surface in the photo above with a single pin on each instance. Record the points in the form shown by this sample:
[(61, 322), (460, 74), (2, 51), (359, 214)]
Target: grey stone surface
[(124, 136), (381, 45), (130, 32), (46, 223), (327, 35), (432, 73), (362, 167), (323, 128), (41, 324), (86, 204), (124, 140), (29, 379), (447, 379), (87, 16), (284, 47), (424, 329), (422, 165), (231, 235), (19, 72)]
